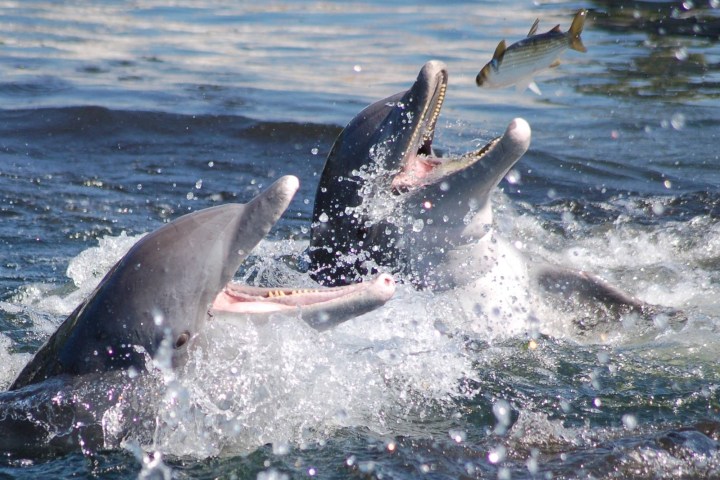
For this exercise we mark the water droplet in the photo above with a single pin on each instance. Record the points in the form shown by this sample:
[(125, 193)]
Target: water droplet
[(458, 436), (597, 402), (715, 3), (158, 317), (418, 225), (681, 54), (502, 412), (497, 454), (357, 68), (139, 186), (211, 164), (198, 184), (603, 357), (190, 196), (660, 321), (323, 217), (532, 462), (444, 186), (314, 150), (678, 121), (513, 177), (629, 421), (667, 184)]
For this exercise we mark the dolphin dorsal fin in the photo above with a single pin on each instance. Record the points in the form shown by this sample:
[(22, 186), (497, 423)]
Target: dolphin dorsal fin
[(534, 27), (556, 29)]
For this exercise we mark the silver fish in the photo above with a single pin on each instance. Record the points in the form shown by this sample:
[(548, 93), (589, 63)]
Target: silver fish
[(521, 61)]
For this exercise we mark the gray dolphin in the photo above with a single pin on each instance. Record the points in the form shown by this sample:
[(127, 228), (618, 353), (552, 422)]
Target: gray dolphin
[(165, 288), (385, 201)]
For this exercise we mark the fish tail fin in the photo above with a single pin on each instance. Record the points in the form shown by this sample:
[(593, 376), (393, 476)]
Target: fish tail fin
[(576, 29)]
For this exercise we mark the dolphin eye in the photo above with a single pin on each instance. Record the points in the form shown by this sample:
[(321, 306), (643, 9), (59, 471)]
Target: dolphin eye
[(182, 339)]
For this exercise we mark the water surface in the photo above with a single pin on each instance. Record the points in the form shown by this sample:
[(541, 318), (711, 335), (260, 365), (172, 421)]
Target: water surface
[(117, 117)]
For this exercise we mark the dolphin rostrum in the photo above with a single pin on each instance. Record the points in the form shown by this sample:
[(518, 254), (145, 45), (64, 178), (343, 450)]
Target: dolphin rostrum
[(165, 288)]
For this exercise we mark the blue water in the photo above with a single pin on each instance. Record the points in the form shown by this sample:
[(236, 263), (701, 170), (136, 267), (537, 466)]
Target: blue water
[(116, 117)]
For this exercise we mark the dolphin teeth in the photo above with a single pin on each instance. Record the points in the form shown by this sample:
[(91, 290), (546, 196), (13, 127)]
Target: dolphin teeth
[(481, 153), (436, 111), (282, 293)]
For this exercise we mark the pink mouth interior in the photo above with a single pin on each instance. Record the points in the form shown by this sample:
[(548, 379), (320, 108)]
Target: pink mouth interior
[(416, 169)]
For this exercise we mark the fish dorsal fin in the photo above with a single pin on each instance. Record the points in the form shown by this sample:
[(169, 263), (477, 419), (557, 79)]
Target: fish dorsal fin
[(534, 27), (498, 55), (555, 29)]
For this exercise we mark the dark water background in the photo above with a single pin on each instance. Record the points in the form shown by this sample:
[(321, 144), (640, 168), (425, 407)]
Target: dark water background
[(118, 116)]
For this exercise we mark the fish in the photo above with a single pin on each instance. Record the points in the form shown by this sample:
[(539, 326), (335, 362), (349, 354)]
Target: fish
[(521, 61)]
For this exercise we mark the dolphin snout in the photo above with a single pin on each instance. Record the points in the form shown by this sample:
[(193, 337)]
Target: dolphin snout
[(517, 137)]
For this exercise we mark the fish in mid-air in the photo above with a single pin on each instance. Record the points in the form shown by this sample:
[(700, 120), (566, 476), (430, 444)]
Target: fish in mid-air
[(521, 61)]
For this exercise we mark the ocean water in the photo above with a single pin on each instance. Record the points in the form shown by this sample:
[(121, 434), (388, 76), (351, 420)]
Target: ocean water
[(116, 117)]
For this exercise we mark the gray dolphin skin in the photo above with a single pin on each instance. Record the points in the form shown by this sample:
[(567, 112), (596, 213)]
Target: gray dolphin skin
[(167, 286), (386, 200), (161, 288)]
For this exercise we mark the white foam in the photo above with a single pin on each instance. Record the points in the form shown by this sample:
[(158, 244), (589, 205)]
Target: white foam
[(12, 362), (281, 382)]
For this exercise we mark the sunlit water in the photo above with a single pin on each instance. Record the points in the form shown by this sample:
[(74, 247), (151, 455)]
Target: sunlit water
[(117, 118)]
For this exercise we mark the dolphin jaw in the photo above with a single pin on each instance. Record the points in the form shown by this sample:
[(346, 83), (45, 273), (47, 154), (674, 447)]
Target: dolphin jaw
[(419, 165), (423, 170), (245, 299)]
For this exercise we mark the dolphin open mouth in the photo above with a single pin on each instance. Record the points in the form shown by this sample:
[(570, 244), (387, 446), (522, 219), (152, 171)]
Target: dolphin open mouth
[(241, 298), (420, 166), (321, 307)]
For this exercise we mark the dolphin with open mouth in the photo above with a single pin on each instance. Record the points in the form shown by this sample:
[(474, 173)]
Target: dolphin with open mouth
[(162, 292), (386, 202)]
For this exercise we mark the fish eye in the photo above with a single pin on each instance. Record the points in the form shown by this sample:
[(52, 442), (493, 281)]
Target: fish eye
[(182, 339)]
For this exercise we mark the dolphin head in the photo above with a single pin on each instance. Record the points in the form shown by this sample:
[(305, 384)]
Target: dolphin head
[(162, 288), (384, 195)]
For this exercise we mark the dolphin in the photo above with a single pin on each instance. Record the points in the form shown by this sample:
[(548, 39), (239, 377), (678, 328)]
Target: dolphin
[(161, 294), (387, 202)]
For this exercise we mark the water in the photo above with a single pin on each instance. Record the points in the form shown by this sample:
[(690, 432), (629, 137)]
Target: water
[(118, 117)]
